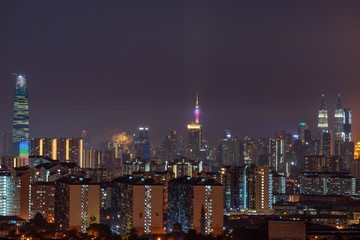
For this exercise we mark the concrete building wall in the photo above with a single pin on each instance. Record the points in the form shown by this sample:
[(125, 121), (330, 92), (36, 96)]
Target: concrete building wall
[(211, 197), (145, 219)]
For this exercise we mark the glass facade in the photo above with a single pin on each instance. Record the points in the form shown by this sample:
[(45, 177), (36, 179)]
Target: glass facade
[(21, 119)]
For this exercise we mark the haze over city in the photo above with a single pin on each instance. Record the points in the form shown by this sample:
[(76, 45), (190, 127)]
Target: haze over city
[(259, 67)]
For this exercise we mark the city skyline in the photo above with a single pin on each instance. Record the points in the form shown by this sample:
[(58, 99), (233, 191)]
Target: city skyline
[(94, 141), (120, 56)]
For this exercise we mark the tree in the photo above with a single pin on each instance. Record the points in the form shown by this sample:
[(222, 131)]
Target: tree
[(99, 230), (39, 220)]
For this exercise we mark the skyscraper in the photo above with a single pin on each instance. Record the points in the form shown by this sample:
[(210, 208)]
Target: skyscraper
[(302, 128), (322, 124), (142, 144), (230, 150), (339, 122), (347, 124), (21, 119), (195, 134), (170, 146)]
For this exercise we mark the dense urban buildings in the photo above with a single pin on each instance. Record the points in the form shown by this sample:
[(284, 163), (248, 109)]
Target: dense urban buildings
[(126, 183)]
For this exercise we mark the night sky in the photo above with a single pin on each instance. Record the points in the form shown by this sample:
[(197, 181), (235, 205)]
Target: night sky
[(112, 66)]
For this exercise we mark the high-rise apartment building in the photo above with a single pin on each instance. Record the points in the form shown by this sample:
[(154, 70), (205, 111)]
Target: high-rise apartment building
[(259, 188), (186, 199), (62, 149), (42, 200), (21, 119), (277, 154), (137, 203), (77, 203)]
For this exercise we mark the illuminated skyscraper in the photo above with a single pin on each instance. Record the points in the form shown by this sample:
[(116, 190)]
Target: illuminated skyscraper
[(302, 129), (21, 119), (339, 122), (347, 124), (322, 124), (142, 144), (194, 134)]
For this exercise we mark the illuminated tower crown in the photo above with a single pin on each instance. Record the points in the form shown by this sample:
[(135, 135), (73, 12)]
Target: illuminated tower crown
[(197, 109)]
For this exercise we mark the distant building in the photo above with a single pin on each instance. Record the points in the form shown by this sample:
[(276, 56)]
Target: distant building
[(322, 124), (321, 163), (277, 155), (195, 134), (231, 151), (6, 144), (347, 124), (339, 119), (62, 149), (142, 143), (327, 183), (170, 146), (184, 167), (91, 158)]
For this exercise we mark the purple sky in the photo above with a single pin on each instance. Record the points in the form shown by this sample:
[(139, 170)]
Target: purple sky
[(111, 66)]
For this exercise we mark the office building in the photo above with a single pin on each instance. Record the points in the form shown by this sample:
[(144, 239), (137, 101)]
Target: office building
[(326, 142), (231, 151), (170, 146), (6, 144), (347, 124), (322, 124), (21, 119), (302, 129), (339, 122), (142, 143)]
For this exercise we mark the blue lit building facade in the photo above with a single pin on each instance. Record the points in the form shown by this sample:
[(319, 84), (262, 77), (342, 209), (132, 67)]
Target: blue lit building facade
[(21, 119), (142, 144)]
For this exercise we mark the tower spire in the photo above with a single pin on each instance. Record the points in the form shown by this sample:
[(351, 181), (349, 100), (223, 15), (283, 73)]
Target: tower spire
[(322, 105), (339, 105), (197, 109)]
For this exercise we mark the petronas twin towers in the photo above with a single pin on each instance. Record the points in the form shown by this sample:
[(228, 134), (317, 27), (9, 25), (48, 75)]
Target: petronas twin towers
[(342, 128)]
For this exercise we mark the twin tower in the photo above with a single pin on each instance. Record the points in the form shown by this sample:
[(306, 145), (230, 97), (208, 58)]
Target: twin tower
[(342, 128)]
